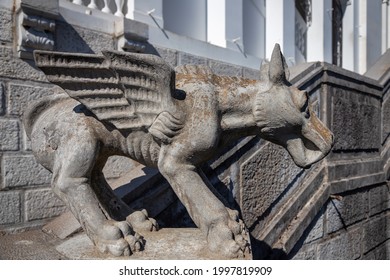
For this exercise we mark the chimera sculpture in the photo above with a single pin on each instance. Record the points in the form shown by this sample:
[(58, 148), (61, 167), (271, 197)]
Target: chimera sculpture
[(135, 105)]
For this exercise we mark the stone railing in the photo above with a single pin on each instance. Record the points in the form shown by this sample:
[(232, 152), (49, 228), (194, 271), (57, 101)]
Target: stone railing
[(115, 7)]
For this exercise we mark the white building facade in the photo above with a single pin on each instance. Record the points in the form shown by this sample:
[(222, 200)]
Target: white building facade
[(351, 34)]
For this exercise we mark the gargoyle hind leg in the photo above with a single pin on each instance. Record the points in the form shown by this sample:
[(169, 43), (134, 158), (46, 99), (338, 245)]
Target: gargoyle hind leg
[(117, 209), (225, 234), (71, 182)]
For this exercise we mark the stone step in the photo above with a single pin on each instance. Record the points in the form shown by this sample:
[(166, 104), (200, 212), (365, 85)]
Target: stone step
[(165, 244)]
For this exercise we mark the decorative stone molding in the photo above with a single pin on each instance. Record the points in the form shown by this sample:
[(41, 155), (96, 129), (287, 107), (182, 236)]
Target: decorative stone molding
[(36, 27), (134, 36)]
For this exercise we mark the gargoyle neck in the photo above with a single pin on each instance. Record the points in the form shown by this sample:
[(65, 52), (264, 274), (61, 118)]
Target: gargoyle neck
[(244, 115)]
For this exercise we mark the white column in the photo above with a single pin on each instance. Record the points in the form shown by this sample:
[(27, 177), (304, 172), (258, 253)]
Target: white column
[(280, 28), (254, 24), (388, 26), (385, 24), (349, 29), (186, 18), (319, 33), (374, 31), (327, 30), (216, 22), (149, 12), (361, 57), (234, 24)]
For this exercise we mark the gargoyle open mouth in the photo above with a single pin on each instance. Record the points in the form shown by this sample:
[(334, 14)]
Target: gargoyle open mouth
[(314, 143)]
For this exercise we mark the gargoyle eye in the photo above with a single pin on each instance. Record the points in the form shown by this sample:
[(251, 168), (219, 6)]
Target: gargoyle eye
[(300, 99), (305, 105)]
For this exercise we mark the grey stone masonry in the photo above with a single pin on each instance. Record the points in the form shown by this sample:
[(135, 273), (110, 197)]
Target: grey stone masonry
[(9, 135), (6, 25), (42, 204), (2, 99), (23, 170), (10, 210), (21, 95), (344, 246)]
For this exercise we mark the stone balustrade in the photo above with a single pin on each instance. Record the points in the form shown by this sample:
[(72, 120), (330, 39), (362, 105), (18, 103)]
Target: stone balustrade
[(115, 7)]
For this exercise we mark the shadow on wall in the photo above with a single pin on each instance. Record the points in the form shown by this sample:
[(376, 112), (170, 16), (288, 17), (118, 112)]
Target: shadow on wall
[(68, 39)]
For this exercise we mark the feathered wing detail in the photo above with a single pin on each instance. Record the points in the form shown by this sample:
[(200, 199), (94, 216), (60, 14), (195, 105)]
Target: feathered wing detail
[(127, 90)]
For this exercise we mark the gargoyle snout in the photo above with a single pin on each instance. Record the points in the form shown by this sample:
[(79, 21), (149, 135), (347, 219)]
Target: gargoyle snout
[(315, 143)]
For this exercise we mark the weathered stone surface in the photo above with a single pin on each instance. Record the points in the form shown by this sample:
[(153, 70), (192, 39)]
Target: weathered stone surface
[(2, 99), (42, 204), (170, 56), (251, 73), (355, 124), (354, 169), (6, 25), (77, 39), (225, 69), (375, 233), (345, 212), (264, 177), (317, 228), (346, 246), (379, 199), (168, 244), (42, 7), (15, 68), (140, 101), (63, 226), (379, 253), (29, 245), (10, 207), (386, 119), (117, 166), (24, 171), (21, 95), (306, 253), (185, 58), (26, 141), (9, 135)]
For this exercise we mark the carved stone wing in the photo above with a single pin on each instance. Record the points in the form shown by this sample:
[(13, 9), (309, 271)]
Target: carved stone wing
[(127, 90)]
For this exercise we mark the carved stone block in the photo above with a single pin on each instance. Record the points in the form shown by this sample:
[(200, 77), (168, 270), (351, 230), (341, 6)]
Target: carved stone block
[(9, 135), (35, 33), (355, 121), (264, 178), (41, 204), (134, 36), (10, 210)]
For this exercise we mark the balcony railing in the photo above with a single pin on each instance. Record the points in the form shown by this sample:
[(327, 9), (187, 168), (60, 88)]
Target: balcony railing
[(115, 7)]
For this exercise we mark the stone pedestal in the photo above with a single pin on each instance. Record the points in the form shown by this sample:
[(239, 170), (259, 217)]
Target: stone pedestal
[(165, 244)]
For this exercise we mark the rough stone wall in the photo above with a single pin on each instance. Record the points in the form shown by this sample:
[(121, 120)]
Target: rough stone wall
[(25, 195), (354, 222)]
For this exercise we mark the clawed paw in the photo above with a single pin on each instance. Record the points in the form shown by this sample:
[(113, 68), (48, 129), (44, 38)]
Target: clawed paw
[(229, 237), (118, 239), (141, 222)]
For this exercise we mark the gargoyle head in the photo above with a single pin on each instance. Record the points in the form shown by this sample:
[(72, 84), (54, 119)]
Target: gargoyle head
[(285, 116)]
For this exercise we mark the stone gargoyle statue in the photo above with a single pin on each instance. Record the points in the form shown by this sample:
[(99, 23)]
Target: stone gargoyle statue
[(136, 105)]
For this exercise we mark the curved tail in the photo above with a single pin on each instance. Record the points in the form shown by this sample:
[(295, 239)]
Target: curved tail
[(35, 110)]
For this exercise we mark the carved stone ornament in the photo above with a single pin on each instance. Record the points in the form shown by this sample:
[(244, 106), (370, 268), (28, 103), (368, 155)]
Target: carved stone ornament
[(35, 33), (135, 105)]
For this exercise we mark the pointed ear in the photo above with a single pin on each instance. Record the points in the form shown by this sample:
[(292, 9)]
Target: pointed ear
[(277, 67)]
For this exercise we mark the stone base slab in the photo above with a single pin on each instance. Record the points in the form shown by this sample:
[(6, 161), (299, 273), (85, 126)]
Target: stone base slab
[(165, 244)]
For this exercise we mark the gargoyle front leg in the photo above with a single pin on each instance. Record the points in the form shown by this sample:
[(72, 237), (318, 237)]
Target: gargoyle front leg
[(225, 234)]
